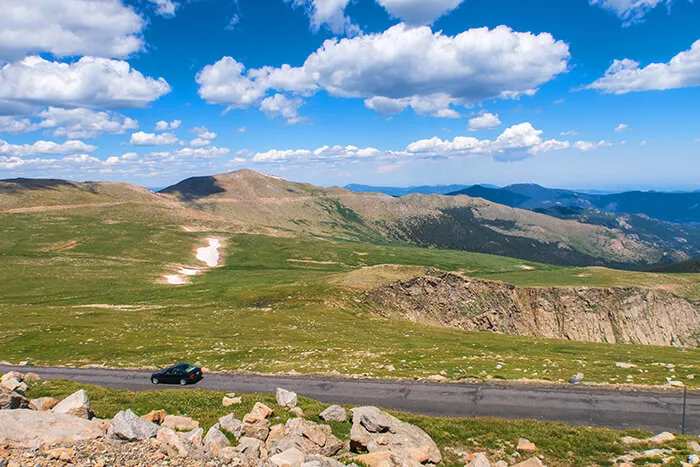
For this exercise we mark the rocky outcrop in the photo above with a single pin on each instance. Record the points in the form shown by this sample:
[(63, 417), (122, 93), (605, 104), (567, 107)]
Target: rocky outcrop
[(613, 315), (32, 429)]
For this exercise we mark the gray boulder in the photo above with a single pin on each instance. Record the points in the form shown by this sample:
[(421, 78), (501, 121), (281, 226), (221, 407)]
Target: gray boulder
[(31, 429), (254, 426), (43, 404), (215, 441), (12, 400), (374, 431), (250, 450), (14, 384), (77, 405), (311, 438), (127, 426), (576, 379), (174, 440), (334, 413), (231, 424), (286, 398), (320, 461), (289, 458)]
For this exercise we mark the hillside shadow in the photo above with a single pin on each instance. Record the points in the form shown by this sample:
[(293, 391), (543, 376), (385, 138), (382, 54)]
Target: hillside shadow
[(15, 185), (194, 188)]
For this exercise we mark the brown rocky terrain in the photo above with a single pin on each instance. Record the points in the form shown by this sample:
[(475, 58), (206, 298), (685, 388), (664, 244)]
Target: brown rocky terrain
[(614, 315)]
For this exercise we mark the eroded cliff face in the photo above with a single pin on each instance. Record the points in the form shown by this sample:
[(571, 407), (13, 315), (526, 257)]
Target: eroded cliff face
[(613, 315)]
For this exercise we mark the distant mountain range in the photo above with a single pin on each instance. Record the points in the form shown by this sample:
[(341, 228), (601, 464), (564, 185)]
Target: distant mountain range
[(671, 207), (680, 207), (558, 226), (397, 191)]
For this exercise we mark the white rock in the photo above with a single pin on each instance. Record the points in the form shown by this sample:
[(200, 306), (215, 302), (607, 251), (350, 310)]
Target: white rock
[(195, 436), (77, 404), (437, 379), (625, 365), (174, 440), (289, 458), (480, 460), (663, 438), (693, 459), (12, 400), (334, 413), (31, 429), (231, 424), (215, 441), (179, 423), (576, 379), (13, 384), (286, 398)]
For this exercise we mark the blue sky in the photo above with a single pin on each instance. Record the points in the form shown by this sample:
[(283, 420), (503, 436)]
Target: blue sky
[(598, 94)]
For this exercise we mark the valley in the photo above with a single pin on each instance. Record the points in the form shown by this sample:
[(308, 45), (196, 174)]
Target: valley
[(81, 286)]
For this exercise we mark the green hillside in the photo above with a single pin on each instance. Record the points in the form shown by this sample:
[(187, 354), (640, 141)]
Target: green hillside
[(85, 287)]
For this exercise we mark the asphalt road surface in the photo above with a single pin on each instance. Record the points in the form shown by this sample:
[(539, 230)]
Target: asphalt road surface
[(653, 410)]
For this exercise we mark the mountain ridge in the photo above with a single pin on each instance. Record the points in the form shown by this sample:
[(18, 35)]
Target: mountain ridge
[(453, 222)]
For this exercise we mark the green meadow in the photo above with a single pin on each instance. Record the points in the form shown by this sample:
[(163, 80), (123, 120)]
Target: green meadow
[(85, 287)]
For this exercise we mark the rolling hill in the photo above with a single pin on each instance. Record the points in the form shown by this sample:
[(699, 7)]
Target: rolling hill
[(83, 269), (455, 222)]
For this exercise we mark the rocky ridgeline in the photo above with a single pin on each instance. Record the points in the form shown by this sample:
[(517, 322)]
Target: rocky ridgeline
[(615, 315)]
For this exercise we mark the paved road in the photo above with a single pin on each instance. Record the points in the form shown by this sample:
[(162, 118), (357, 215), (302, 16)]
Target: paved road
[(654, 410)]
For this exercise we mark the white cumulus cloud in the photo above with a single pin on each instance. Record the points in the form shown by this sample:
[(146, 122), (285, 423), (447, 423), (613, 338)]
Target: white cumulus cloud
[(329, 13), (165, 126), (630, 11), (622, 127), (401, 67), (65, 28), (89, 82), (625, 76), (84, 123), (484, 121), (517, 142), (587, 146), (165, 7), (514, 143), (419, 12), (281, 106), (152, 139), (16, 126), (44, 147)]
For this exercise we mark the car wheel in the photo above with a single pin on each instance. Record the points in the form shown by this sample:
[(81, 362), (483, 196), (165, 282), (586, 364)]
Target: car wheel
[(183, 382), (155, 381)]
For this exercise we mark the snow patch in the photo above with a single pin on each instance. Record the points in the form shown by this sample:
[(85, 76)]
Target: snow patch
[(175, 279), (210, 254)]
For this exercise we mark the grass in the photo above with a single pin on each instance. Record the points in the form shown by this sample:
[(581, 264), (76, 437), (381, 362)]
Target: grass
[(497, 438), (263, 313)]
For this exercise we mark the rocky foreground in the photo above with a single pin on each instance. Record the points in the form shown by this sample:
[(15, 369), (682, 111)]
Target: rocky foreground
[(52, 432)]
